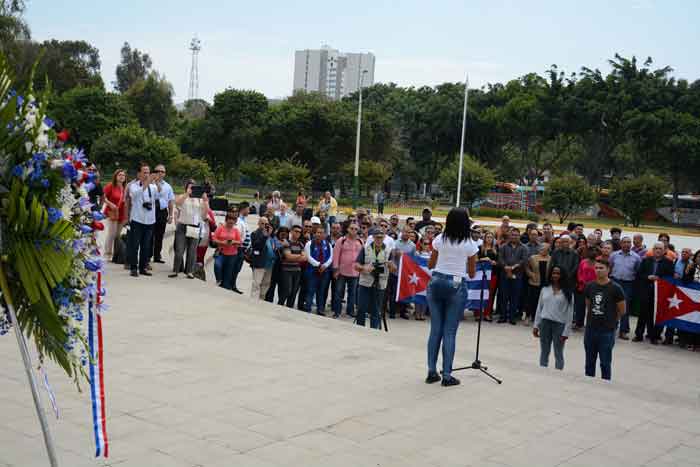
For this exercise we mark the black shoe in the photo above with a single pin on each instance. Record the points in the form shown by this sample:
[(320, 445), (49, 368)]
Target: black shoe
[(160, 261), (237, 291), (392, 316), (637, 339), (450, 381), (655, 341), (501, 321), (134, 273), (624, 336), (173, 274), (432, 378), (512, 321), (145, 272), (667, 342), (405, 316)]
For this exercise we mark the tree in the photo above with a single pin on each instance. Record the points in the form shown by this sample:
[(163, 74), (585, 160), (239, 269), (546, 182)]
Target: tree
[(567, 195), (63, 64), (635, 196), (134, 66), (152, 102), (477, 179), (127, 146), (183, 167), (372, 174), (90, 112), (278, 174), (12, 25)]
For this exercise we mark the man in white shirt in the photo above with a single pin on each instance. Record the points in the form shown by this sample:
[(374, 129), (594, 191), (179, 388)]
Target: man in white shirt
[(164, 198), (142, 218)]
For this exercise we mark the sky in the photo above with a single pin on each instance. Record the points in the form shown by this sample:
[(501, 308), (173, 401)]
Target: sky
[(250, 44)]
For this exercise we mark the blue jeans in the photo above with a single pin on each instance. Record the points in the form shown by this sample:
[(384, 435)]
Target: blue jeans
[(599, 343), (318, 288), (511, 298), (225, 264), (139, 246), (370, 301), (446, 300), (550, 335), (341, 283), (237, 266), (628, 289)]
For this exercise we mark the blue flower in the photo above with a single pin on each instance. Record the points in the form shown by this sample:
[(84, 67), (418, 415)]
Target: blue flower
[(85, 229), (54, 215), (39, 157), (97, 215), (69, 171), (48, 122), (93, 265), (45, 182), (79, 155), (18, 171), (84, 201)]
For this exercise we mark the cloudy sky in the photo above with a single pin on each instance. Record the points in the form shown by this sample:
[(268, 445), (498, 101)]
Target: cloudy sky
[(250, 44)]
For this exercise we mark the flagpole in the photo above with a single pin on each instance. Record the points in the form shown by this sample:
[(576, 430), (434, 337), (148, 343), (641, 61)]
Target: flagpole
[(461, 147)]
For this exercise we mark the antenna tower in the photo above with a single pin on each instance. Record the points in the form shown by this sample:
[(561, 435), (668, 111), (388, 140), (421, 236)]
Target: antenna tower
[(195, 47)]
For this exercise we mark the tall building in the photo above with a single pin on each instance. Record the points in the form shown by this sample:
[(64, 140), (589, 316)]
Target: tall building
[(330, 72)]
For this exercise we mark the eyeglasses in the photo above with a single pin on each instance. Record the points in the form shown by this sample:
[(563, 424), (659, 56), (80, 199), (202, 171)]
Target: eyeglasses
[(159, 171)]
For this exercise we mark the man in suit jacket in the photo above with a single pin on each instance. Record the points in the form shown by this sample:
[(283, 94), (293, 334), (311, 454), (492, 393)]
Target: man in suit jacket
[(651, 269)]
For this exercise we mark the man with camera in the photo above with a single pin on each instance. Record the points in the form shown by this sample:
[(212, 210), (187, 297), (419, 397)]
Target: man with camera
[(262, 259), (373, 263), (142, 217)]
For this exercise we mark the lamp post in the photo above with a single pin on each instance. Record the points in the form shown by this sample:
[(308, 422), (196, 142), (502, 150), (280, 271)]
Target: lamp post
[(461, 147), (356, 177)]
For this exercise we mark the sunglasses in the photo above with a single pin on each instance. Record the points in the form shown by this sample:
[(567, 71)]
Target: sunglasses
[(159, 171)]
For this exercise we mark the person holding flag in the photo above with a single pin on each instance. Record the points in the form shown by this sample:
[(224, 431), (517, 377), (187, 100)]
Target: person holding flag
[(454, 255)]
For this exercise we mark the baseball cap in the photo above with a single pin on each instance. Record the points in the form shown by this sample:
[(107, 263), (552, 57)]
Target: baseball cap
[(315, 220)]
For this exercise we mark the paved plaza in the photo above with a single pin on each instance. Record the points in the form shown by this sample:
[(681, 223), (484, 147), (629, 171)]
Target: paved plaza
[(200, 376)]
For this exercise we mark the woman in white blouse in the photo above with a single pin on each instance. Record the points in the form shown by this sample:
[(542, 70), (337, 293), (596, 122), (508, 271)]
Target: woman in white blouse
[(453, 257), (187, 230)]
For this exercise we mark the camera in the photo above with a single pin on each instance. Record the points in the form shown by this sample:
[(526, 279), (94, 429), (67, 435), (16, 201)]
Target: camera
[(378, 268), (147, 205)]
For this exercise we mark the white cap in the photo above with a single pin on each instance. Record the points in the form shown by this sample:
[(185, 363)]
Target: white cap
[(315, 220)]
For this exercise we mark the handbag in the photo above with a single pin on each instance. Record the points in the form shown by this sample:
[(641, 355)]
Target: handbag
[(192, 231)]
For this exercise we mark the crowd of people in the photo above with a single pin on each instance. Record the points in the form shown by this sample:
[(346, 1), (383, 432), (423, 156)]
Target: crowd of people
[(304, 256)]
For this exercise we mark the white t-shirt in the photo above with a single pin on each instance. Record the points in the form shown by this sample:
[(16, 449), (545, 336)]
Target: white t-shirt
[(453, 257)]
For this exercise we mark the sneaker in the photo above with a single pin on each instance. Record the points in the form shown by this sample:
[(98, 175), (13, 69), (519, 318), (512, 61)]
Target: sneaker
[(173, 274), (134, 273), (432, 378), (145, 272), (190, 275), (237, 291), (450, 381)]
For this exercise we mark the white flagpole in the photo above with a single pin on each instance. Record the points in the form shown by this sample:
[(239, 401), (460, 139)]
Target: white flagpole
[(461, 147)]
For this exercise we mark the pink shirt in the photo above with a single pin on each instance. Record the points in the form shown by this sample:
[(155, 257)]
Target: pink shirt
[(224, 233), (344, 256)]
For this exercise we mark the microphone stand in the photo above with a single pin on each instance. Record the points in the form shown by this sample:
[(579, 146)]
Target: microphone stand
[(476, 364)]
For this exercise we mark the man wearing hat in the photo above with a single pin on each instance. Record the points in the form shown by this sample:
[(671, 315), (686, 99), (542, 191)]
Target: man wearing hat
[(373, 263)]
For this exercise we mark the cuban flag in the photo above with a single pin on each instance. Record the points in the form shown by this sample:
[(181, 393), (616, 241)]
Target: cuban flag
[(677, 305), (414, 277)]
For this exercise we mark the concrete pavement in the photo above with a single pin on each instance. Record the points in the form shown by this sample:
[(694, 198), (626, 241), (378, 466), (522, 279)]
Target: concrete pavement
[(200, 376)]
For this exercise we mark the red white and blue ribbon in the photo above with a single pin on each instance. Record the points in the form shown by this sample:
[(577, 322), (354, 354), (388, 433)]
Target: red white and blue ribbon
[(97, 389)]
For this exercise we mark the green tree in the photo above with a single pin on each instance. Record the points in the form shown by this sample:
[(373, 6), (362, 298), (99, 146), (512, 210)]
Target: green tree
[(372, 174), (637, 195), (64, 65), (152, 102), (12, 25), (134, 66), (183, 167), (90, 112), (278, 174), (567, 195), (477, 179), (127, 146)]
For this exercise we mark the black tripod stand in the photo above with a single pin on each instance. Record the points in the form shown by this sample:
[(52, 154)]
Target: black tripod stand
[(476, 364)]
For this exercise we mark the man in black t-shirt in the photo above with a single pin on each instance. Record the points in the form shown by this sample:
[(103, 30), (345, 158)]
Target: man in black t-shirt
[(605, 305)]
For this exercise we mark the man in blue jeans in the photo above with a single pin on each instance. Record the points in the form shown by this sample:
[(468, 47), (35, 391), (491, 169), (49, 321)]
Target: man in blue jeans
[(319, 255), (624, 264), (605, 305)]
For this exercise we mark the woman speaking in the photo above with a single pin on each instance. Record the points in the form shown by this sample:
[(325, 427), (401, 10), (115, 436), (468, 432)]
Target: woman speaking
[(454, 253)]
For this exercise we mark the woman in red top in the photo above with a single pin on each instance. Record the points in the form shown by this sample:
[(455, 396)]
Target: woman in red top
[(114, 210), (228, 237)]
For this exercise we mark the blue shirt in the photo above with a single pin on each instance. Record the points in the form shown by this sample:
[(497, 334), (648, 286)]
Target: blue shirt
[(679, 267), (269, 254), (624, 265)]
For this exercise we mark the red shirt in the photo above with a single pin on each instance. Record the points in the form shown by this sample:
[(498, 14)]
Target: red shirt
[(222, 234), (115, 195), (585, 274)]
